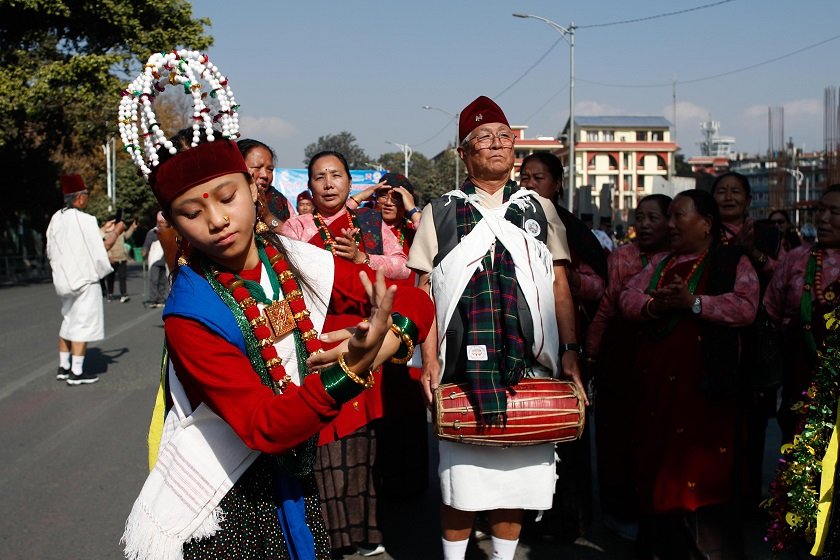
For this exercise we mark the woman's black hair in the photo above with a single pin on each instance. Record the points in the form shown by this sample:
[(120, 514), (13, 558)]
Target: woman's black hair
[(831, 189), (326, 153), (182, 140), (245, 145), (661, 200), (745, 183), (784, 214), (706, 206), (554, 165)]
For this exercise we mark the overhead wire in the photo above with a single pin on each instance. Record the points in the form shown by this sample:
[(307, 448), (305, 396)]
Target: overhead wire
[(436, 134), (528, 71), (621, 22), (719, 75), (648, 18)]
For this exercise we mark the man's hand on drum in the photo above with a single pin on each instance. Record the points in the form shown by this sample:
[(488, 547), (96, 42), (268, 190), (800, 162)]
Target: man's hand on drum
[(571, 369)]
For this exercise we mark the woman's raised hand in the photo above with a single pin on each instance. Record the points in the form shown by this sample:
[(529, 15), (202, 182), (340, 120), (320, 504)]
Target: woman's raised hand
[(365, 342)]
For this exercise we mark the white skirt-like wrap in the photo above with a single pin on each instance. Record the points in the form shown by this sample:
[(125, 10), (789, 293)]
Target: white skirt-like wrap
[(479, 478), (84, 317)]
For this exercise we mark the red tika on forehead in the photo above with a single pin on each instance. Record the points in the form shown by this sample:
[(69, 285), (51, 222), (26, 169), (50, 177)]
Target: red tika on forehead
[(193, 167)]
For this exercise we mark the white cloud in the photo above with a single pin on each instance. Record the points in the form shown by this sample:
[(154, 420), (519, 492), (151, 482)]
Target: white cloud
[(795, 108), (804, 108), (596, 109), (266, 129), (686, 111)]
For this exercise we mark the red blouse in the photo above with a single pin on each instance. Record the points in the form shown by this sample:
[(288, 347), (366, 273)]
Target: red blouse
[(216, 372)]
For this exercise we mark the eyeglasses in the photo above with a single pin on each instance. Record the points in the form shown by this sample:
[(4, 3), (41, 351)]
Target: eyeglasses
[(486, 140), (779, 222), (389, 195)]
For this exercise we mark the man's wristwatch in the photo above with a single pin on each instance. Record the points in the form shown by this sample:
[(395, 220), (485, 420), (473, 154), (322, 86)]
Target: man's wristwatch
[(571, 347), (697, 306), (411, 212)]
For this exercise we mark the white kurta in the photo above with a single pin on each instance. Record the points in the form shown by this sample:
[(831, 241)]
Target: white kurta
[(78, 260)]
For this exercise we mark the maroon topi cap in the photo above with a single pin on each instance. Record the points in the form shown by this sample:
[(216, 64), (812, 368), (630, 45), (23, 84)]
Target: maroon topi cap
[(71, 184), (481, 111), (194, 166)]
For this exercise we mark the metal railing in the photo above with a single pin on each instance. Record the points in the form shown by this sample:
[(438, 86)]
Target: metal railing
[(18, 269)]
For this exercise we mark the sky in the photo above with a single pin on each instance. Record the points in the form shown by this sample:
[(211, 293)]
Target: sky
[(301, 70)]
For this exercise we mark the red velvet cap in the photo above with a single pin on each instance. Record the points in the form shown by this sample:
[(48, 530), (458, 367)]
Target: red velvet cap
[(304, 195), (72, 184), (481, 111), (195, 166)]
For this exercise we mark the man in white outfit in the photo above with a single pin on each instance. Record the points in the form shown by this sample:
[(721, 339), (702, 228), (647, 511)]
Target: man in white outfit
[(468, 345), (79, 259)]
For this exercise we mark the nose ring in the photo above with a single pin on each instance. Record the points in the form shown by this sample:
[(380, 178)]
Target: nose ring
[(226, 219)]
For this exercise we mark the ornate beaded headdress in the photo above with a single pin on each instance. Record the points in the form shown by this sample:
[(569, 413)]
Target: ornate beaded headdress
[(214, 110)]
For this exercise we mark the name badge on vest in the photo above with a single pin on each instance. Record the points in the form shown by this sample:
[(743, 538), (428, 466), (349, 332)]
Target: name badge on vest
[(532, 227), (477, 352)]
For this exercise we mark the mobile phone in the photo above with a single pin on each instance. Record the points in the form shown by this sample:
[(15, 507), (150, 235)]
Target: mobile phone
[(119, 217), (768, 238)]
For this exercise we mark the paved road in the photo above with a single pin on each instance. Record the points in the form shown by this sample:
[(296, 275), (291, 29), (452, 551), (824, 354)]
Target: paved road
[(74, 458)]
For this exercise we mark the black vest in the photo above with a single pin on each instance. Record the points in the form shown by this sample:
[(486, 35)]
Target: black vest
[(446, 228)]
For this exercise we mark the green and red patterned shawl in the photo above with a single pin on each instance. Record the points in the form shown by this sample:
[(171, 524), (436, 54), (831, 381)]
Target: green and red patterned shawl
[(489, 306)]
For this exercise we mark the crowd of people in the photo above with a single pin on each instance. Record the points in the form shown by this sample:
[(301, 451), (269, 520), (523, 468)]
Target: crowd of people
[(292, 398)]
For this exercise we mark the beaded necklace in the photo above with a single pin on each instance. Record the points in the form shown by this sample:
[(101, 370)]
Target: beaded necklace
[(813, 287), (664, 329), (326, 234), (401, 233), (669, 262), (262, 330)]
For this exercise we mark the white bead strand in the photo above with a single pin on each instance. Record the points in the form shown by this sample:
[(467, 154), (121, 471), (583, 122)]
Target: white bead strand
[(183, 69)]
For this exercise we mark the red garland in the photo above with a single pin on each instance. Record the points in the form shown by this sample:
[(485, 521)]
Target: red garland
[(258, 322)]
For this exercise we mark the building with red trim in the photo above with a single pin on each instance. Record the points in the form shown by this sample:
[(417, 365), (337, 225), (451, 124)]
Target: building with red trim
[(625, 153)]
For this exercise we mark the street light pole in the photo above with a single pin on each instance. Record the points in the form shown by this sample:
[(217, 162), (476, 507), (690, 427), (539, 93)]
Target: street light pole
[(455, 145), (406, 150), (799, 177), (568, 33)]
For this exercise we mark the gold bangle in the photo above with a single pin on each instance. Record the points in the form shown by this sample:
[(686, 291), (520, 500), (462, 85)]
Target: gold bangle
[(406, 341), (367, 382), (648, 310)]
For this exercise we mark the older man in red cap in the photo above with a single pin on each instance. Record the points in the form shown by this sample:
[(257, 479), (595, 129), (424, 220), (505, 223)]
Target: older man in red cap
[(497, 321), (79, 259)]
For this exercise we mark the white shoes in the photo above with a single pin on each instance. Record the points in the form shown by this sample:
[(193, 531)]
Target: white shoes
[(368, 552)]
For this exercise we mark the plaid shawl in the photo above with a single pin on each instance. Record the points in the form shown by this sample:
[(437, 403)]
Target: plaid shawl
[(489, 308)]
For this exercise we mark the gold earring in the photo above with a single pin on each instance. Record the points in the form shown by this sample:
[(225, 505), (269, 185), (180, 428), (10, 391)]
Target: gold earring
[(183, 260)]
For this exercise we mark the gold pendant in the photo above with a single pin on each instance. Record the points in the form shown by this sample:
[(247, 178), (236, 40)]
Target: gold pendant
[(279, 316), (830, 295)]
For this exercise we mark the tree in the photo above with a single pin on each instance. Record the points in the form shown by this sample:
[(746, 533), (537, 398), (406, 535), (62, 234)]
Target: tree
[(683, 169), (344, 143), (430, 177), (63, 64)]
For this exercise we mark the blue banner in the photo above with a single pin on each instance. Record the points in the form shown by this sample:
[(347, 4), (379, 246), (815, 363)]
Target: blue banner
[(291, 182)]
